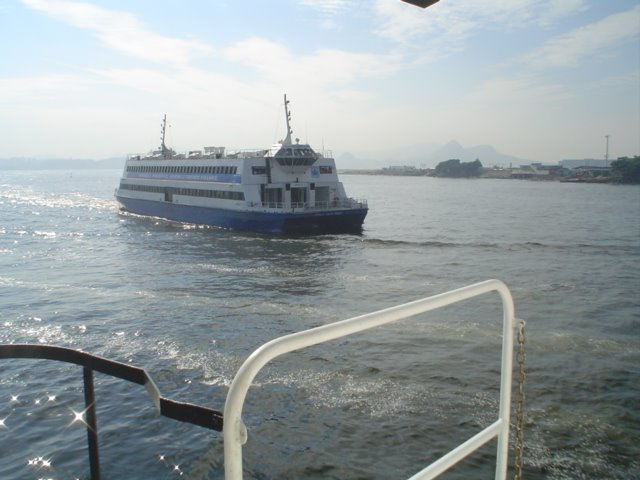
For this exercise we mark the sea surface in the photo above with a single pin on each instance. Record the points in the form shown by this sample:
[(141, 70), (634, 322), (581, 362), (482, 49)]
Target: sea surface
[(189, 304)]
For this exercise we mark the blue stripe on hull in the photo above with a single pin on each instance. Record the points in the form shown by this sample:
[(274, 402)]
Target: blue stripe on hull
[(336, 221)]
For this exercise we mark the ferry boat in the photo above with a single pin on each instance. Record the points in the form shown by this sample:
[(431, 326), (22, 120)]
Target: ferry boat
[(286, 189)]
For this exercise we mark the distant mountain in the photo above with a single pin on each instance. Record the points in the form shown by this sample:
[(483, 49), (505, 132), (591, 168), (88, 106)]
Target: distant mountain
[(59, 163), (377, 159), (426, 156), (350, 161), (488, 155)]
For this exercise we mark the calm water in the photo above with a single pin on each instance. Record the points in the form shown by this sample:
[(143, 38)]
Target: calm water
[(189, 304)]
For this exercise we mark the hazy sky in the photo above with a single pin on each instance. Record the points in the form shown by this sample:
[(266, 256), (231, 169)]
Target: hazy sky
[(540, 79)]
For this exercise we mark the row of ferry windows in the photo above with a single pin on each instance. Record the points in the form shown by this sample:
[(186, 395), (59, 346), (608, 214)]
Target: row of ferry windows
[(181, 169), (191, 192)]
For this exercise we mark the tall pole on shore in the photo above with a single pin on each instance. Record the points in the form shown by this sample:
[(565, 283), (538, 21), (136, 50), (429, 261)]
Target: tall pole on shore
[(606, 154)]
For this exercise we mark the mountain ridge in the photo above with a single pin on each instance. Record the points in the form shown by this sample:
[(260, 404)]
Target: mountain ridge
[(426, 156)]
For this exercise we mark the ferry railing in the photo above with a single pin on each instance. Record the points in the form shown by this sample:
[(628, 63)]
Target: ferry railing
[(235, 432), (278, 205), (359, 202), (346, 203), (183, 412), (337, 204)]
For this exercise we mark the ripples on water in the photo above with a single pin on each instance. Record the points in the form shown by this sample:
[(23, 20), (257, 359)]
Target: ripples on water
[(190, 303)]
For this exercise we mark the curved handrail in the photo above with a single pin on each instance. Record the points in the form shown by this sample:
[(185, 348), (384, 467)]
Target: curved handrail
[(184, 412), (234, 431)]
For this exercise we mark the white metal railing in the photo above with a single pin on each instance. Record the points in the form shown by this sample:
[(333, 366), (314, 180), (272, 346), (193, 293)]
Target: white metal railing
[(337, 204), (235, 433)]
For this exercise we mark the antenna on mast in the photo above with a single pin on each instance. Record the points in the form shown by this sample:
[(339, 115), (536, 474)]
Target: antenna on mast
[(287, 114), (163, 130)]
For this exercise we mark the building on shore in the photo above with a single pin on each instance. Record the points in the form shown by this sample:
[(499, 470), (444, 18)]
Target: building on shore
[(539, 171), (406, 170)]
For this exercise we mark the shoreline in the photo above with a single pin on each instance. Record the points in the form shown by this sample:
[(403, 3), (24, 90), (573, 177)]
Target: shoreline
[(491, 174)]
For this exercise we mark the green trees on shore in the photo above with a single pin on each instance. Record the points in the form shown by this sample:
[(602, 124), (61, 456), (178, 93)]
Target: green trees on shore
[(626, 170), (623, 170), (455, 168)]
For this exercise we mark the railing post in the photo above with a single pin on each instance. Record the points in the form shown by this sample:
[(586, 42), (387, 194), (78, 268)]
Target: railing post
[(90, 419), (506, 373)]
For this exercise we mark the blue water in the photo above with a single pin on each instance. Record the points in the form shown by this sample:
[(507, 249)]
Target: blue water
[(189, 304)]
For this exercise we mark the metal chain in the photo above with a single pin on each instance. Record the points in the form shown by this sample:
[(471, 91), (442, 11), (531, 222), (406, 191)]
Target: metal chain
[(519, 444)]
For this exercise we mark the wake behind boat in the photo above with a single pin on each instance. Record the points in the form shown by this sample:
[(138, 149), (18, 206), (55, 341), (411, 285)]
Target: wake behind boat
[(287, 189)]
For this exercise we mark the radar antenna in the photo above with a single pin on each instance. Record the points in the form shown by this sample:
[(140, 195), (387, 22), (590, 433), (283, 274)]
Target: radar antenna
[(287, 114)]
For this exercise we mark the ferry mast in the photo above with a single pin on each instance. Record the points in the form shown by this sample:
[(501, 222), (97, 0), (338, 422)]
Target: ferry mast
[(163, 146), (287, 114)]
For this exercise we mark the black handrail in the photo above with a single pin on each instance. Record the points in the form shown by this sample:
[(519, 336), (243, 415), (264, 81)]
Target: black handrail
[(183, 412)]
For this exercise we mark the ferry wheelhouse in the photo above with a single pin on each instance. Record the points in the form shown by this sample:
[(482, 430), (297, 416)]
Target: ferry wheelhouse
[(287, 189)]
